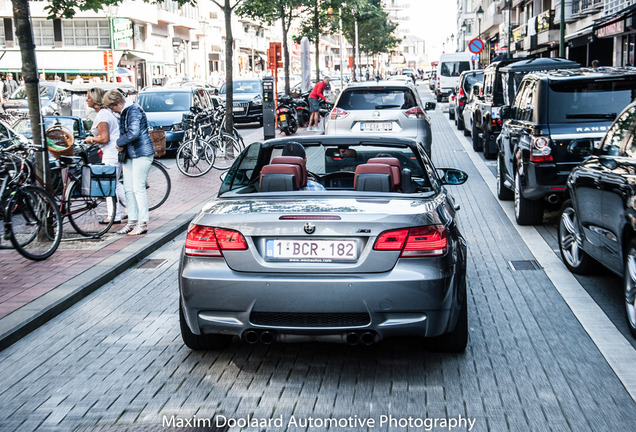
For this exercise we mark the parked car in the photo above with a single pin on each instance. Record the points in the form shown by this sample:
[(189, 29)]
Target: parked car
[(432, 80), (449, 68), (248, 100), (552, 112), (469, 109), (466, 81), (501, 80), (404, 79), (54, 98), (165, 107), (378, 253), (8, 135), (596, 223), (381, 108)]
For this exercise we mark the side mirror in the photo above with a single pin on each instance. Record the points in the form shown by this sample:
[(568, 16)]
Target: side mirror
[(505, 112), (581, 148), (452, 176), (429, 106)]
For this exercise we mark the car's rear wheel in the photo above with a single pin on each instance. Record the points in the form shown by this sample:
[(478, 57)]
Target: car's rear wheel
[(527, 212), (457, 340), (201, 342), (460, 124), (575, 259), (476, 138), (630, 286), (451, 113), (488, 154), (503, 193)]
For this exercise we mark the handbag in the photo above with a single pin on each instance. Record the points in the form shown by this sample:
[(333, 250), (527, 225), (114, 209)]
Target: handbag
[(122, 156), (98, 180)]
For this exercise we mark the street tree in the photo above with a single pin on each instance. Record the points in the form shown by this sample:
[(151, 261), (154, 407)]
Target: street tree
[(270, 11), (24, 33)]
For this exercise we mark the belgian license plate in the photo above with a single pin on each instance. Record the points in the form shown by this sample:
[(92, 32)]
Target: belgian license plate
[(376, 127), (311, 250)]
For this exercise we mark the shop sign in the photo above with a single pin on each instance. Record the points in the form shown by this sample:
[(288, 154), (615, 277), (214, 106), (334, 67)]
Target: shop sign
[(612, 29), (122, 33)]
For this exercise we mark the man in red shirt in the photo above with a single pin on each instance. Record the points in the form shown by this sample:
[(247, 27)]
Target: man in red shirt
[(316, 94)]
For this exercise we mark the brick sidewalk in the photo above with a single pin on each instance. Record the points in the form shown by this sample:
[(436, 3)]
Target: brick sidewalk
[(23, 280)]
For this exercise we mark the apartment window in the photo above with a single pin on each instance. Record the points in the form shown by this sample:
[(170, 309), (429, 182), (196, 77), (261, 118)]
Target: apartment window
[(86, 33), (43, 32)]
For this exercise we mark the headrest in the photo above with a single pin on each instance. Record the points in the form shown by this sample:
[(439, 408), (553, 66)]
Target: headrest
[(373, 177), (293, 160), (293, 170), (396, 168)]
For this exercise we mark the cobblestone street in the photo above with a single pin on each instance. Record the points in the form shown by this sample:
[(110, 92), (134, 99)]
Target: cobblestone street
[(115, 361)]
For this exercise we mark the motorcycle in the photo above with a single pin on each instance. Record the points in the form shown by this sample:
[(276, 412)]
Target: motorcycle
[(286, 115)]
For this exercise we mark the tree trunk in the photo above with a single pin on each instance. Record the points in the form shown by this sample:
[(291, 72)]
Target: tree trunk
[(285, 23), (229, 66), (24, 32), (317, 41)]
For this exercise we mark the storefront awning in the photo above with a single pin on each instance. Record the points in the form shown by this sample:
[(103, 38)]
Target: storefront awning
[(59, 61), (141, 56)]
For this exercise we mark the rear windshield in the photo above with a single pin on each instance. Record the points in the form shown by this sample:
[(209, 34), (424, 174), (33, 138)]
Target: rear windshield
[(375, 99), (46, 92), (165, 101), (471, 79), (454, 69), (577, 100)]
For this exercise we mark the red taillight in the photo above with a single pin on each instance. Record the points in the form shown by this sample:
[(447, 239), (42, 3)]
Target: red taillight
[(425, 241), (415, 112), (338, 112), (208, 241), (540, 150)]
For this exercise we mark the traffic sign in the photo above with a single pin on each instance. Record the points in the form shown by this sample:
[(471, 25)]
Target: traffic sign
[(476, 46)]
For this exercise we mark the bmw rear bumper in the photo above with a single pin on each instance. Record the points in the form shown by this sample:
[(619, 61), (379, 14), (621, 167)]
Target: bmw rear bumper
[(414, 298)]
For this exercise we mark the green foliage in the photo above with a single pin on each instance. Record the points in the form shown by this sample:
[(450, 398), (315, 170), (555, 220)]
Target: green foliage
[(68, 8), (375, 29)]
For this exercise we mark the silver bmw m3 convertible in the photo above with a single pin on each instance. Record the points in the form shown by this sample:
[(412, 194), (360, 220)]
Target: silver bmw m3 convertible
[(327, 238)]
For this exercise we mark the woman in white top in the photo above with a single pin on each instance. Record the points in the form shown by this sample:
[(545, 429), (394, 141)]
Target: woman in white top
[(105, 132)]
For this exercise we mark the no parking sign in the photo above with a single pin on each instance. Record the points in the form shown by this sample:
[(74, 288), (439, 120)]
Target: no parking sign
[(476, 46)]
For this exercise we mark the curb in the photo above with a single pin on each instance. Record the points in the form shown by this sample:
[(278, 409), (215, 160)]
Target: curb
[(29, 317)]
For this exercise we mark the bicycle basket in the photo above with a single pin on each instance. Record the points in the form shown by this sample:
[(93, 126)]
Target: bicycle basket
[(158, 138), (60, 141)]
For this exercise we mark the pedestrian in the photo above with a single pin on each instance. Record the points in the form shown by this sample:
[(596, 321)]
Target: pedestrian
[(1, 92), (136, 147), (317, 93), (10, 85), (78, 80), (294, 148), (105, 132)]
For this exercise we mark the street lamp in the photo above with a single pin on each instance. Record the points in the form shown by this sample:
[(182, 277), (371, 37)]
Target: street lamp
[(480, 15), (464, 28)]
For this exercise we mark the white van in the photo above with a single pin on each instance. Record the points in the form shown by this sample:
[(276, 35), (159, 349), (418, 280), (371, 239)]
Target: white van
[(450, 66)]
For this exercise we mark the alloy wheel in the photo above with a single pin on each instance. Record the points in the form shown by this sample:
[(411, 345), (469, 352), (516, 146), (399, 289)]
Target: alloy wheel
[(630, 289), (570, 238)]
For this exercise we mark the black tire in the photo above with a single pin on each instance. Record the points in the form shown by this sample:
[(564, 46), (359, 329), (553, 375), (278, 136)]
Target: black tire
[(451, 113), (476, 139), (456, 340), (488, 154), (569, 236), (158, 185), (34, 223), (527, 212), (85, 212), (460, 124), (629, 281), (201, 342), (503, 193), (195, 165), (439, 97)]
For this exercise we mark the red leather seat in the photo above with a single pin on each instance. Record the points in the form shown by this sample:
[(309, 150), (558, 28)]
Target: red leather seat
[(279, 177), (294, 160), (373, 177), (396, 168)]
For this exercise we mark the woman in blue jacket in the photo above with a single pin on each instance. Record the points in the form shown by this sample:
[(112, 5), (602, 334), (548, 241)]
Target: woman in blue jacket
[(135, 141)]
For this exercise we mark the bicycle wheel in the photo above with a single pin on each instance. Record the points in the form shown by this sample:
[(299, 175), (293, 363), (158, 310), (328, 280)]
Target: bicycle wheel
[(226, 150), (34, 223), (157, 185), (85, 213), (238, 137), (195, 158)]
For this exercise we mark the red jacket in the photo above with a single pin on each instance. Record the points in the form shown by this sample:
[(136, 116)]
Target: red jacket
[(318, 91)]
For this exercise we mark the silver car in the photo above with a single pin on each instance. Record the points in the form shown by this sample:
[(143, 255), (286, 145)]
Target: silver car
[(381, 108), (375, 253)]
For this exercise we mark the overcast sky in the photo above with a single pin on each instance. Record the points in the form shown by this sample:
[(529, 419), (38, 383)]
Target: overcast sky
[(433, 21)]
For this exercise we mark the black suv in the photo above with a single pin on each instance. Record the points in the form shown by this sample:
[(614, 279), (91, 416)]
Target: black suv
[(466, 81), (248, 100), (552, 113), (501, 80), (596, 222)]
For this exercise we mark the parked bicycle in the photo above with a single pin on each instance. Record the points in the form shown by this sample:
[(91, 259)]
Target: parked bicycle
[(29, 215)]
